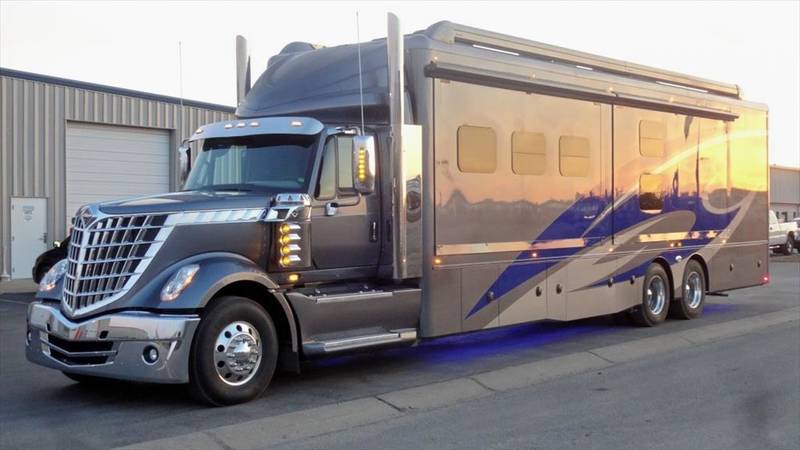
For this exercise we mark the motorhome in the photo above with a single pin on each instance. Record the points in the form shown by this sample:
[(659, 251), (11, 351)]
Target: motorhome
[(381, 193)]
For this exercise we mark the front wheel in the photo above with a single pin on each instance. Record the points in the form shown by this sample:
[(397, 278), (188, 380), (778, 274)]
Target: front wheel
[(655, 298), (234, 353)]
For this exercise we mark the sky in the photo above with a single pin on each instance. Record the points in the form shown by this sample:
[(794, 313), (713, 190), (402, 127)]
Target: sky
[(134, 45)]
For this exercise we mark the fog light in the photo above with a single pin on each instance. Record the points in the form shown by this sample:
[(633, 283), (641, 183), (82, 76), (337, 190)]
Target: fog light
[(150, 354)]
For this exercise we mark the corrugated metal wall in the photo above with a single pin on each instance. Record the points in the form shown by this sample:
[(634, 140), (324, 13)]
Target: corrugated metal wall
[(784, 191), (33, 118)]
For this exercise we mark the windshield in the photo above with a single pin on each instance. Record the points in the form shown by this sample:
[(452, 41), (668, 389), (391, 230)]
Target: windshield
[(268, 162)]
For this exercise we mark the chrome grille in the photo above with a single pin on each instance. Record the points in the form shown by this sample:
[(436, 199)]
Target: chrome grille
[(106, 255)]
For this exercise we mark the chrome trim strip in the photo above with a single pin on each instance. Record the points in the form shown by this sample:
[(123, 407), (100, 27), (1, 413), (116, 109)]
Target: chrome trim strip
[(351, 297), (215, 216), (79, 354), (499, 247)]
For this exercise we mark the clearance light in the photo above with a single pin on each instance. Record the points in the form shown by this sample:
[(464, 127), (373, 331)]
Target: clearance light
[(765, 279), (288, 239), (437, 261), (534, 255), (362, 164)]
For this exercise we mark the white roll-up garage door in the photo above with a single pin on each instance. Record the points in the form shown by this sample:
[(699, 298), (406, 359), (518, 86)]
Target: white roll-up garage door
[(105, 162)]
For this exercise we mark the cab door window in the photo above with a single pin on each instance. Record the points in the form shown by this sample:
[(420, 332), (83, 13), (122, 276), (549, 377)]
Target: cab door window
[(336, 171)]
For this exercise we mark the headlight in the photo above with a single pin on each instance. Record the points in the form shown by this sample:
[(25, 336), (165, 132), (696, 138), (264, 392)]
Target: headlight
[(53, 276), (180, 281)]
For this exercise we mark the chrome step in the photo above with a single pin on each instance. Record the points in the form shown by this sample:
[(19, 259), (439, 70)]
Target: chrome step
[(394, 337)]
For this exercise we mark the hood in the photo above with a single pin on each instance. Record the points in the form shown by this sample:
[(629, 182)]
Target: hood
[(188, 201)]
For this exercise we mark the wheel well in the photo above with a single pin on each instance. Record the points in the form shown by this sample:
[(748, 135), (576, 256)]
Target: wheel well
[(663, 263), (703, 265), (260, 294)]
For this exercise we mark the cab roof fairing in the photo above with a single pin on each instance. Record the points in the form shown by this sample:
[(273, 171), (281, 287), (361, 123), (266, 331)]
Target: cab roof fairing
[(259, 126)]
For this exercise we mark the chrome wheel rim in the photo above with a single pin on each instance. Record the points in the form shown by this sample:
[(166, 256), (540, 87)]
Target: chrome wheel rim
[(693, 290), (237, 353), (656, 295)]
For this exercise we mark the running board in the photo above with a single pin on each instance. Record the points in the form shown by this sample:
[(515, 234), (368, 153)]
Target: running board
[(396, 337)]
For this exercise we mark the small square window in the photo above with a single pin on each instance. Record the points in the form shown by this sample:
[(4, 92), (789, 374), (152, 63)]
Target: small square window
[(651, 138), (573, 156), (477, 149), (651, 192), (528, 153)]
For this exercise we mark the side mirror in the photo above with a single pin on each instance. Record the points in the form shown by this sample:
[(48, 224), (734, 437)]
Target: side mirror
[(364, 164), (185, 159)]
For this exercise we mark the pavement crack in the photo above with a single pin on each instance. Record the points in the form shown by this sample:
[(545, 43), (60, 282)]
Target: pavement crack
[(604, 359), (402, 410), (482, 385), (217, 440)]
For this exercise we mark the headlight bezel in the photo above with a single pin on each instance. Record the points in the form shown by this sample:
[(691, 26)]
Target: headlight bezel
[(178, 282), (53, 276)]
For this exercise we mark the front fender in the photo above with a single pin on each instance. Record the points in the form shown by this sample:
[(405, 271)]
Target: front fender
[(217, 270)]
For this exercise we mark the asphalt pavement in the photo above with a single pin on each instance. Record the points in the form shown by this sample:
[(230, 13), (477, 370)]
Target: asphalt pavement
[(739, 389)]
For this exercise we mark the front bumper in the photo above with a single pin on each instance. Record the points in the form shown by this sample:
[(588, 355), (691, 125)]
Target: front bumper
[(112, 345)]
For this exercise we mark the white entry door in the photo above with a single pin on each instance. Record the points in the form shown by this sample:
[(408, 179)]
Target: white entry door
[(28, 234)]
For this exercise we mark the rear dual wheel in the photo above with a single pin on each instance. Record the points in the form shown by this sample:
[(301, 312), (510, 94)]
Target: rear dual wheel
[(655, 298), (693, 297)]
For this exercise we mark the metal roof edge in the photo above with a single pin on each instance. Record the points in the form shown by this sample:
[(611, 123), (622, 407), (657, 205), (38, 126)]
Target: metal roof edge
[(13, 73)]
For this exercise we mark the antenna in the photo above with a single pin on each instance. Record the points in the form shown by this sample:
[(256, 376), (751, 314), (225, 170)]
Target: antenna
[(360, 79), (180, 81)]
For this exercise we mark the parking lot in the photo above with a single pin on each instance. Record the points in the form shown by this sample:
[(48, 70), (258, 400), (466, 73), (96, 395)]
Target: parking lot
[(735, 387)]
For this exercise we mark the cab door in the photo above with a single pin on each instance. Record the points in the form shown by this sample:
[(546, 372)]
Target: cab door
[(344, 224)]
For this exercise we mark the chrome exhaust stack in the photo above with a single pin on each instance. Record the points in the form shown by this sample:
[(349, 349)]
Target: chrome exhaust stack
[(242, 69), (406, 163)]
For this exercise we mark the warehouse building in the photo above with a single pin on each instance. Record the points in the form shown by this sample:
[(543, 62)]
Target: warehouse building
[(784, 192), (65, 143)]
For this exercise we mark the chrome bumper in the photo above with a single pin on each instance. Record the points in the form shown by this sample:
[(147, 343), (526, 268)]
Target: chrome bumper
[(112, 345)]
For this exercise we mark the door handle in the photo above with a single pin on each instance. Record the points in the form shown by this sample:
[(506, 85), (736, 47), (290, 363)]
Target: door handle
[(331, 208)]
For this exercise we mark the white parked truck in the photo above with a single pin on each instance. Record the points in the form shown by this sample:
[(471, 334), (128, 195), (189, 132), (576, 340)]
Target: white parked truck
[(782, 235)]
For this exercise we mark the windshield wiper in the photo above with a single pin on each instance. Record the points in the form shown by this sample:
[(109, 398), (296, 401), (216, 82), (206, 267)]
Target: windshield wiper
[(224, 187), (235, 189)]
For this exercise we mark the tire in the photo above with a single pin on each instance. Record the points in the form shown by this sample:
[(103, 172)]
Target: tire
[(655, 304), (216, 375), (788, 246), (693, 297)]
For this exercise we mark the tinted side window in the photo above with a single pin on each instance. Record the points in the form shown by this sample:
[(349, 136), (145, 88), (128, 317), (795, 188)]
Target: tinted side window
[(326, 188), (477, 149), (344, 148), (573, 156), (528, 153), (651, 192)]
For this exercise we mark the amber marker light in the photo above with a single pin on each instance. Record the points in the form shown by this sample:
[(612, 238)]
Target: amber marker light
[(294, 277), (437, 261)]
